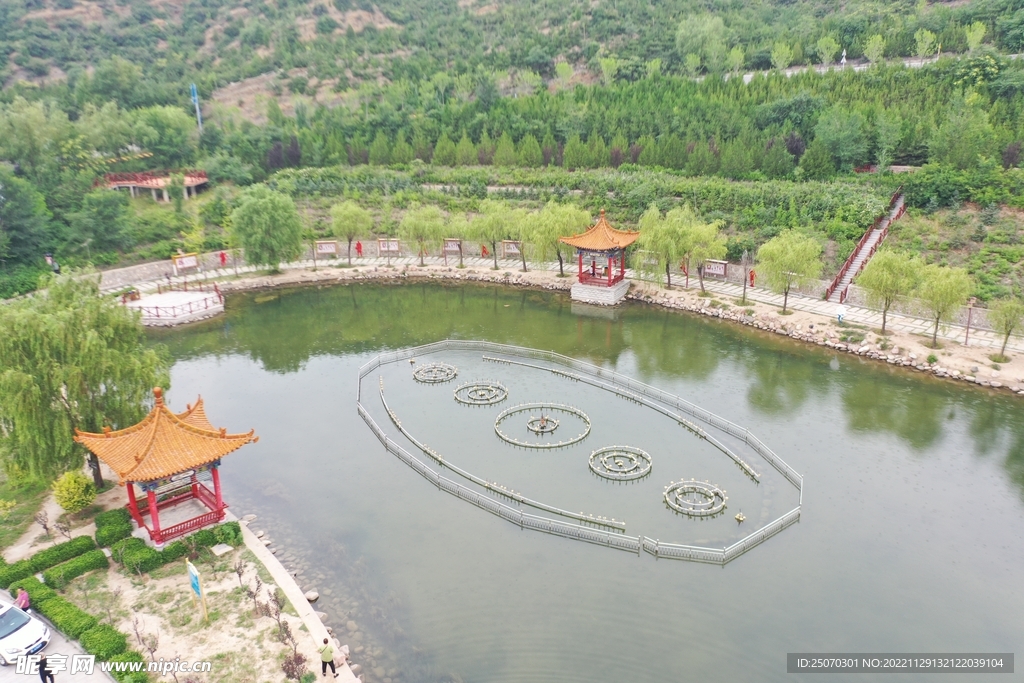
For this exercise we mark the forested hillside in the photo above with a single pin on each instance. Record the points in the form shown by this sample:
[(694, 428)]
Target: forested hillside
[(550, 88)]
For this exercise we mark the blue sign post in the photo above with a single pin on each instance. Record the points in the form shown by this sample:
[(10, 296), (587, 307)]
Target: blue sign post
[(199, 113), (197, 587)]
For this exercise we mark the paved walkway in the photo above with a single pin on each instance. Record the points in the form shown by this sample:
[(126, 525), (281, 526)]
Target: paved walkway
[(897, 322)]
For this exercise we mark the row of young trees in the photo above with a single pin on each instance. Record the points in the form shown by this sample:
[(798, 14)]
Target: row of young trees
[(268, 226)]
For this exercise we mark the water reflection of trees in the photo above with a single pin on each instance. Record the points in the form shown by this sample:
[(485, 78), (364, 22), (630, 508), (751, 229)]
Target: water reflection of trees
[(283, 329), (669, 345), (781, 385), (913, 411)]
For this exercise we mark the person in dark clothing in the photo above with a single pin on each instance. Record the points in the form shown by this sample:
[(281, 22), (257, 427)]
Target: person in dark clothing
[(44, 670)]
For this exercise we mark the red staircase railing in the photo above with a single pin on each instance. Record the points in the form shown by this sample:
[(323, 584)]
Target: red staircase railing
[(863, 240)]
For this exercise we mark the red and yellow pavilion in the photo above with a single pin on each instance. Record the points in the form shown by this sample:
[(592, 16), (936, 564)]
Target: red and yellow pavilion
[(599, 251), (169, 457)]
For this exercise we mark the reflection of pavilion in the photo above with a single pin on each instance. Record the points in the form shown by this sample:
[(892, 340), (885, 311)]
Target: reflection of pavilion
[(600, 250), (171, 458)]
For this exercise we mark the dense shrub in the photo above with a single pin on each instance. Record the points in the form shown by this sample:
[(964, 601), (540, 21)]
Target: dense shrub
[(136, 556), (104, 641), (74, 491), (230, 533), (112, 526), (37, 591), (59, 576), (65, 617)]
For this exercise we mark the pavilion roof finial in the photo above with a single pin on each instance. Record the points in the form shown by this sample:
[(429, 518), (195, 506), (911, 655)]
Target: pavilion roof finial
[(601, 237)]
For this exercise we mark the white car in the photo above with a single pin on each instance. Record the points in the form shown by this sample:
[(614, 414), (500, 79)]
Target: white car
[(20, 634)]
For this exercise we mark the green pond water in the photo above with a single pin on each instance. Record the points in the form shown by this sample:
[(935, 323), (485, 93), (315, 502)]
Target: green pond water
[(910, 539)]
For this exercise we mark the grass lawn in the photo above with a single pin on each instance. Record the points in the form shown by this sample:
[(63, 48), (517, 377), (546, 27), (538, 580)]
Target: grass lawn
[(27, 500)]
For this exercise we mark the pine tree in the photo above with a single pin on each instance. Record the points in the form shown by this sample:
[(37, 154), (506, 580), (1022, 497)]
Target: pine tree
[(618, 150), (444, 151), (402, 153), (549, 149), (485, 150), (505, 153), (736, 161), (672, 152), (465, 152), (380, 150), (530, 153), (575, 155), (817, 162), (777, 161), (357, 152), (421, 147), (597, 152)]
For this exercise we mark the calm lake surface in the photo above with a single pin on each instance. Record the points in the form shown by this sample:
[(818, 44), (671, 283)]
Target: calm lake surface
[(910, 538)]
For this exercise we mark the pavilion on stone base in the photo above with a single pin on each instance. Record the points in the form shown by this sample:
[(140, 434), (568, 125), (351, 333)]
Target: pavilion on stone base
[(600, 251), (170, 457)]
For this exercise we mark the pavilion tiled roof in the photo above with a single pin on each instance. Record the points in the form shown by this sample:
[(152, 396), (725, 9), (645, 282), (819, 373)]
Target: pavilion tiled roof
[(602, 237), (163, 443)]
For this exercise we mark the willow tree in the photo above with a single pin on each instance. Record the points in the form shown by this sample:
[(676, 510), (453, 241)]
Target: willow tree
[(662, 239), (552, 222), (70, 358), (888, 276), (267, 225), (698, 241), (348, 221), (423, 225), (789, 259), (1006, 316), (943, 291), (491, 225)]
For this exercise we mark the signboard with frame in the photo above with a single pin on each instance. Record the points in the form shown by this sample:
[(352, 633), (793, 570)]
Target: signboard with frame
[(326, 248), (388, 247), (182, 262), (510, 249), (452, 245), (715, 268)]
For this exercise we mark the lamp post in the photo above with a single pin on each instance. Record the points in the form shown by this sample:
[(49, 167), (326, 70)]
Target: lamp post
[(970, 310)]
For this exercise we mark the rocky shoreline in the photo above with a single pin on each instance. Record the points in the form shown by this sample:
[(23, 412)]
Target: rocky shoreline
[(896, 350)]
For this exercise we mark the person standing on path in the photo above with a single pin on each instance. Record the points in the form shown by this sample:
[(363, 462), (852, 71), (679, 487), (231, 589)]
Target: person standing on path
[(44, 670), (840, 312), (327, 658), (22, 602), (359, 249), (223, 258)]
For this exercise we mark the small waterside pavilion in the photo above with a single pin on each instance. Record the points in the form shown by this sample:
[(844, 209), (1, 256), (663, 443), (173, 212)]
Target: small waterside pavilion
[(600, 251), (171, 458)]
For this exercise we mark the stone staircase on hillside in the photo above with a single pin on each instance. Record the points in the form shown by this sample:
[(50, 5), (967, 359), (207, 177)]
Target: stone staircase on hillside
[(864, 251)]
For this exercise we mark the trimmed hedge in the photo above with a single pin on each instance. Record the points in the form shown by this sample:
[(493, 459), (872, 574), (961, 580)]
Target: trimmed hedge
[(125, 676), (15, 572), (37, 591), (59, 576), (112, 526), (45, 559), (104, 641), (62, 552), (136, 556), (65, 617)]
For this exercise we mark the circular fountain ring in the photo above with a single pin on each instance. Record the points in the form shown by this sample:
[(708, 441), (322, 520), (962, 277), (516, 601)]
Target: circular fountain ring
[(481, 393), (695, 498), (435, 373), (534, 423), (620, 463)]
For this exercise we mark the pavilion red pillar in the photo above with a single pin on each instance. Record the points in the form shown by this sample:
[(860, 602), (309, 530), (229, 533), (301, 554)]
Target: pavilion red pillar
[(611, 270), (580, 254), (622, 263), (154, 516), (216, 492), (133, 505)]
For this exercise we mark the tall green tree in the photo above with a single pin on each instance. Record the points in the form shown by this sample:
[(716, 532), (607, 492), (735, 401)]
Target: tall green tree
[(782, 55), (661, 242), (888, 276), (827, 48), (70, 358), (704, 243), (553, 222), (490, 226), (505, 153), (943, 291), (817, 163), (530, 154), (575, 154), (925, 42), (423, 225), (267, 225), (24, 219), (705, 36), (875, 49), (103, 221), (349, 221), (380, 150), (789, 259), (1006, 315), (444, 151), (402, 152), (842, 133), (465, 152)]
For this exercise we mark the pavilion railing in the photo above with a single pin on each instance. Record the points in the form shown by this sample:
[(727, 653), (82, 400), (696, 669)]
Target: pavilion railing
[(566, 529), (189, 525), (588, 279)]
